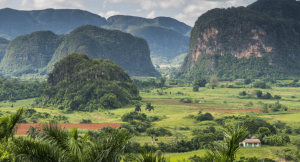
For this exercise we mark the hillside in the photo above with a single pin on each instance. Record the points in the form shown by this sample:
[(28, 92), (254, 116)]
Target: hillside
[(60, 21), (245, 42), (162, 41), (28, 53), (3, 45), (80, 83), (39, 51)]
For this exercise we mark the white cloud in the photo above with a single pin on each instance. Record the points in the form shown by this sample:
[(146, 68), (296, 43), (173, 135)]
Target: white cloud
[(171, 3), (137, 11), (151, 15), (109, 14), (148, 5), (57, 4), (104, 3), (3, 3)]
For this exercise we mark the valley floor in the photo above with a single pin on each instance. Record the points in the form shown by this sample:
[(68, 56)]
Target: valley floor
[(219, 102)]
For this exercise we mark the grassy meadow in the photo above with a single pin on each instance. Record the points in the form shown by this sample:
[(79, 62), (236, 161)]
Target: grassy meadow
[(219, 102)]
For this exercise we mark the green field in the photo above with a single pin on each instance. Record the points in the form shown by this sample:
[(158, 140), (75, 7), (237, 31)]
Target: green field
[(219, 102)]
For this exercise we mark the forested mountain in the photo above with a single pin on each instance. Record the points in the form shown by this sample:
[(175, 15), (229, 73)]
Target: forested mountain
[(60, 21), (78, 82), (16, 23), (162, 41), (39, 51), (3, 45), (259, 41)]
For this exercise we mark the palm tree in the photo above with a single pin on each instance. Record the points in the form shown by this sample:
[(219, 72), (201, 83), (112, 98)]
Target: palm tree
[(8, 124), (58, 144), (138, 109), (32, 132), (149, 108), (225, 151)]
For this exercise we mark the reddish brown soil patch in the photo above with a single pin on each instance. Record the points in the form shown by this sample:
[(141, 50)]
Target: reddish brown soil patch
[(23, 128)]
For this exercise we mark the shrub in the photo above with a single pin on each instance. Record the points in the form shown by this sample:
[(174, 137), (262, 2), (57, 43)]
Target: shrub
[(244, 93), (85, 121), (277, 97), (196, 88), (203, 117)]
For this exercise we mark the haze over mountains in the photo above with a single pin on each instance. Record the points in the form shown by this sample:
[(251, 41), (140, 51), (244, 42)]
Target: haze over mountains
[(39, 51), (259, 41), (166, 37)]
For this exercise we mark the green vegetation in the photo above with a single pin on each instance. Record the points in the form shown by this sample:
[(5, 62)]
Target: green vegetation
[(36, 53), (79, 83), (222, 52)]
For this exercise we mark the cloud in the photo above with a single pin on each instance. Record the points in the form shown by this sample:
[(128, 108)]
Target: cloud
[(109, 14), (3, 3), (56, 4), (104, 3), (151, 15), (137, 11)]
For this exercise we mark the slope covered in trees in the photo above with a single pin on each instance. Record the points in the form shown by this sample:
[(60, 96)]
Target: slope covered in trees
[(36, 53), (80, 83), (260, 41), (3, 45)]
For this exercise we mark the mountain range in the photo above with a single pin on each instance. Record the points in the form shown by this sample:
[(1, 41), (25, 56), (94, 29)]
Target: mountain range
[(37, 53), (175, 37)]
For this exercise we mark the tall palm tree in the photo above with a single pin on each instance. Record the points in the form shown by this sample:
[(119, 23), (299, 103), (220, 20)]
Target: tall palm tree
[(138, 109), (8, 124), (225, 151), (149, 108), (32, 132)]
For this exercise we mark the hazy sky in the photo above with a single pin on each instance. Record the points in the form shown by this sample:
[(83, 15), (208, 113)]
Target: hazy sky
[(183, 10)]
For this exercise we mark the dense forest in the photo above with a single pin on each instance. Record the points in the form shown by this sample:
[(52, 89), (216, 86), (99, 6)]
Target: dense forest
[(80, 83)]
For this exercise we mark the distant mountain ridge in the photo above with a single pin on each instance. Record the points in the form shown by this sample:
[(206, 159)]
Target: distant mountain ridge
[(37, 53), (259, 41), (60, 21), (15, 23)]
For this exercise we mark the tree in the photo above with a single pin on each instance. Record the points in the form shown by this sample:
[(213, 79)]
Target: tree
[(8, 124), (162, 82), (247, 81), (262, 132), (195, 88), (297, 144), (138, 109), (149, 108), (32, 132), (153, 133), (200, 82), (225, 151), (258, 94)]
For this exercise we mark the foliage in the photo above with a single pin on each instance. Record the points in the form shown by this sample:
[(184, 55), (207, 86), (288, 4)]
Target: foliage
[(84, 84), (199, 82), (14, 90)]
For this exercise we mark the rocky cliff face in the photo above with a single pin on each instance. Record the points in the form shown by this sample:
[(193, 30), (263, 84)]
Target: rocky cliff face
[(245, 33)]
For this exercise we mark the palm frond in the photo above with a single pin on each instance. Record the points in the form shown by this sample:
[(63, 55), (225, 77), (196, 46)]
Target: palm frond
[(8, 124), (33, 150)]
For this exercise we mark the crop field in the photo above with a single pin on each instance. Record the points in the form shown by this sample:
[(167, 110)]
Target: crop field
[(219, 102)]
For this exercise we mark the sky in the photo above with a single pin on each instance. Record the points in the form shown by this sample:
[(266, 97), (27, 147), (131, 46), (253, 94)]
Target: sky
[(186, 11)]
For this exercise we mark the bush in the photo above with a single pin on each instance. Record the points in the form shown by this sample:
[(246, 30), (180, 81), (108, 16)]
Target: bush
[(186, 100), (244, 93), (203, 117), (196, 88), (260, 85), (277, 97), (259, 94), (85, 121)]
